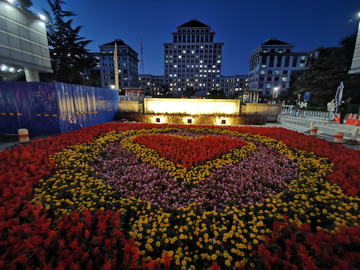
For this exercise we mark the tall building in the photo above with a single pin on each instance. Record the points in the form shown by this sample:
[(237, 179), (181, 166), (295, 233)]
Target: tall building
[(151, 83), (24, 46), (193, 58), (231, 85), (127, 65), (271, 65)]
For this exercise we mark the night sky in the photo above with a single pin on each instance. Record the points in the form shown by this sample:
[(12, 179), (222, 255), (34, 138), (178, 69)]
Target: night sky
[(241, 25)]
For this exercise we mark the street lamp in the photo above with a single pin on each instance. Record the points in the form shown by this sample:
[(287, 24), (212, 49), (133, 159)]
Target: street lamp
[(275, 92)]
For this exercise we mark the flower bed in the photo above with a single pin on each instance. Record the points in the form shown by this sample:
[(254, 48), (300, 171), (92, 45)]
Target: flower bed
[(132, 203)]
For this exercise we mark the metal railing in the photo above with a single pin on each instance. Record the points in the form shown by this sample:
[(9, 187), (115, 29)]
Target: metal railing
[(291, 110)]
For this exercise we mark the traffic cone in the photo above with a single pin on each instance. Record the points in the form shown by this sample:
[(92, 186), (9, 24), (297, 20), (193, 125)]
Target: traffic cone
[(357, 123), (348, 120), (353, 120), (337, 118)]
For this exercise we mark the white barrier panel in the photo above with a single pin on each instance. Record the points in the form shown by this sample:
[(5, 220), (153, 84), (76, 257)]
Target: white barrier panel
[(192, 106), (313, 131), (339, 136), (23, 135), (354, 134)]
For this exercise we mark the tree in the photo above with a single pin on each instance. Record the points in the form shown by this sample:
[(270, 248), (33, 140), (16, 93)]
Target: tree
[(165, 90), (68, 53), (324, 74), (189, 91), (216, 94)]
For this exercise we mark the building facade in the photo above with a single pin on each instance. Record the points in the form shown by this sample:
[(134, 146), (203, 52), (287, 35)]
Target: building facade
[(151, 84), (127, 65), (192, 59), (231, 85), (24, 47), (272, 64)]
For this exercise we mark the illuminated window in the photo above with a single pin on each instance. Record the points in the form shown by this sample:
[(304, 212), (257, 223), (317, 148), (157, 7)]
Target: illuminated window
[(284, 79), (179, 56), (219, 61)]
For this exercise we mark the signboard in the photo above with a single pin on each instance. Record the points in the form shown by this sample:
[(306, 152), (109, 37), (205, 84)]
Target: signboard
[(307, 96)]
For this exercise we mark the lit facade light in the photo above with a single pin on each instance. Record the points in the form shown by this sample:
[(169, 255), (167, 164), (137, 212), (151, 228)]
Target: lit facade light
[(3, 68), (11, 1), (112, 86), (189, 120), (42, 17)]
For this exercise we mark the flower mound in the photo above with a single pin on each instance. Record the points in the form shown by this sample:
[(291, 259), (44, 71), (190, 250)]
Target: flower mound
[(251, 180), (297, 207), (189, 152)]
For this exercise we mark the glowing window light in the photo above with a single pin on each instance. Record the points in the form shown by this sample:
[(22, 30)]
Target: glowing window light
[(158, 119), (223, 121), (189, 120)]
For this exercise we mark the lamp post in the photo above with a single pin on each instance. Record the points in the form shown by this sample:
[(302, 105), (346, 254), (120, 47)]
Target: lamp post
[(275, 92)]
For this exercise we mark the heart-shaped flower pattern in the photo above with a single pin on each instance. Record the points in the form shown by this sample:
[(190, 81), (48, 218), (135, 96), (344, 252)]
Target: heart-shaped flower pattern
[(189, 152)]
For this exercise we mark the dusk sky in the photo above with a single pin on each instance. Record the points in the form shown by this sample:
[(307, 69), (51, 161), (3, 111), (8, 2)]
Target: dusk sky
[(241, 25)]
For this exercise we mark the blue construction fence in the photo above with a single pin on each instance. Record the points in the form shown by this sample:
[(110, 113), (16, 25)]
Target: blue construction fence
[(53, 108)]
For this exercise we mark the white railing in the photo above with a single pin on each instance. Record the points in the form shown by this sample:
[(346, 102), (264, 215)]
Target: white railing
[(293, 111)]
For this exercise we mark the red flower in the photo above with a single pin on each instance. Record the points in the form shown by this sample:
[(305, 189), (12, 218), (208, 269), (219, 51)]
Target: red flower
[(106, 266), (95, 251), (75, 266), (167, 259), (85, 256), (61, 266), (214, 266), (61, 244), (87, 234)]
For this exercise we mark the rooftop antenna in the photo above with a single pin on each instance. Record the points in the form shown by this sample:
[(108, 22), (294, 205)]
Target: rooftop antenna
[(142, 68)]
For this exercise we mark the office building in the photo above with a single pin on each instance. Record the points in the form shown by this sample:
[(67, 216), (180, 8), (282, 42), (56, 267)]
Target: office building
[(127, 65), (231, 85), (24, 47), (151, 84), (271, 65), (192, 59)]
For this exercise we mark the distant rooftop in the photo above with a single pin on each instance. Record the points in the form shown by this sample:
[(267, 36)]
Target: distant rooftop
[(194, 23), (275, 41), (118, 42)]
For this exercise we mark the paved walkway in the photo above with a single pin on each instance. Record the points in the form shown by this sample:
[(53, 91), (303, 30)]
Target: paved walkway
[(326, 131)]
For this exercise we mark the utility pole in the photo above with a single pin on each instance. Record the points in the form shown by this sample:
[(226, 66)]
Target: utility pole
[(116, 68), (142, 68)]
